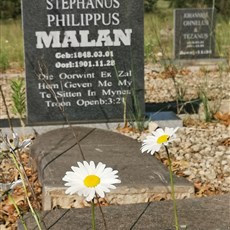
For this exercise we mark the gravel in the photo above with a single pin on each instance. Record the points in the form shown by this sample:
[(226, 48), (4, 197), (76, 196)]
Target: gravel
[(206, 154), (160, 86)]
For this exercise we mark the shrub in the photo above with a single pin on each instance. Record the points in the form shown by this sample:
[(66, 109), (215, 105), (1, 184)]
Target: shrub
[(149, 5), (10, 9), (4, 60)]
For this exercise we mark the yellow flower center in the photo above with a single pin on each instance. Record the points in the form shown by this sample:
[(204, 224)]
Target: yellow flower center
[(91, 181), (162, 139)]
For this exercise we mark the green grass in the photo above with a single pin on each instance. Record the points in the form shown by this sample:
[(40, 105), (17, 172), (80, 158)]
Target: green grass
[(158, 37), (223, 37), (11, 44)]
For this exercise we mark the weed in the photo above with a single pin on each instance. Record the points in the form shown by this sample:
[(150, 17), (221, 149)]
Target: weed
[(207, 111), (18, 97), (211, 103), (139, 123), (4, 61)]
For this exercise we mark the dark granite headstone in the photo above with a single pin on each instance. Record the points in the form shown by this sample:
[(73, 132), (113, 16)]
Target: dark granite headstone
[(83, 59), (194, 33)]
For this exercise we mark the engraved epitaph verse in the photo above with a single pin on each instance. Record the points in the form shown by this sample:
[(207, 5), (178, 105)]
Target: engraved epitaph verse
[(194, 33), (84, 58)]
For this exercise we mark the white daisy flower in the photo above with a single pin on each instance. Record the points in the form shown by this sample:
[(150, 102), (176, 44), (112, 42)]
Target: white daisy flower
[(15, 144), (158, 138), (88, 180)]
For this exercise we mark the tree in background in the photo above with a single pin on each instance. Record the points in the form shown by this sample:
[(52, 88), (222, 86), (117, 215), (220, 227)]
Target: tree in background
[(223, 7), (10, 9), (149, 5)]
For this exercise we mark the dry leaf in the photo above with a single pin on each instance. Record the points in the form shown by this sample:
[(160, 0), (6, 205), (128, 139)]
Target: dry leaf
[(9, 209), (223, 118)]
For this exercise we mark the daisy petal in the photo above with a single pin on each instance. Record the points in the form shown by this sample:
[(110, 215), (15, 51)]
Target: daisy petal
[(25, 143), (91, 195), (158, 138), (87, 179)]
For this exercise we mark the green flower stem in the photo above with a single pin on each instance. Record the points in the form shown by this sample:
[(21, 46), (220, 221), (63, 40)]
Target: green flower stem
[(102, 214), (18, 211), (20, 166), (172, 190), (25, 190), (93, 215)]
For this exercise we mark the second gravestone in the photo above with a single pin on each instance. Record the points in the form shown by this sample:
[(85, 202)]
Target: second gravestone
[(84, 60), (194, 33)]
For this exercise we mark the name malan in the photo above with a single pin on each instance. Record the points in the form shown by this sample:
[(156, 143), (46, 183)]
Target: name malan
[(83, 38)]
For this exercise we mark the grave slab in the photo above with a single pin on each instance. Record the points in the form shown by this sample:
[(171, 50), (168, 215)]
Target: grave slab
[(143, 177), (165, 119), (210, 213), (194, 36)]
